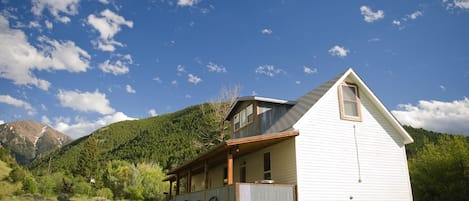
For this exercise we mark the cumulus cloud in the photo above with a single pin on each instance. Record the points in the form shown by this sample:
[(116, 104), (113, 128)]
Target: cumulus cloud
[(370, 16), (309, 70), (49, 24), (183, 3), (396, 22), (339, 51), (448, 117), (81, 127), (216, 68), (266, 31), (18, 58), (269, 70), (193, 79), (85, 101), (116, 68), (152, 112), (460, 4), (129, 89), (108, 24), (7, 99), (56, 8), (2, 122)]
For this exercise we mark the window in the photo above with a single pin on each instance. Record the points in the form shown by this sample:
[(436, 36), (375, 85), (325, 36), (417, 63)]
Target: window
[(244, 117), (236, 122), (242, 172), (349, 102), (267, 173)]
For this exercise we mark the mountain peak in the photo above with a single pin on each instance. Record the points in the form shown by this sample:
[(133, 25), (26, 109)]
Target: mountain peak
[(29, 139)]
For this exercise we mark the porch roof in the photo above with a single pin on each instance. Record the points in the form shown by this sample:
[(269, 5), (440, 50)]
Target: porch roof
[(237, 147)]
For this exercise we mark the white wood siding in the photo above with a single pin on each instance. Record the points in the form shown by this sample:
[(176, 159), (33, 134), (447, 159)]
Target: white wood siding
[(326, 155)]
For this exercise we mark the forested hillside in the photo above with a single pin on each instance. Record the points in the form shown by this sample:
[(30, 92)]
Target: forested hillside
[(167, 140)]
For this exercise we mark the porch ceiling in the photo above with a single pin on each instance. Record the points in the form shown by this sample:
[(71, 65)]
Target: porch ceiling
[(237, 147)]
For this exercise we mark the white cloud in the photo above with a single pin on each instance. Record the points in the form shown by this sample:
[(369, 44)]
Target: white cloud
[(268, 70), (448, 117), (370, 16), (216, 68), (180, 70), (461, 4), (82, 127), (174, 82), (7, 99), (373, 40), (49, 24), (56, 7), (193, 79), (187, 2), (415, 14), (266, 31), (297, 82), (158, 79), (396, 22), (108, 24), (129, 89), (117, 68), (85, 101), (152, 112), (443, 88), (18, 58), (104, 1), (339, 51), (2, 122), (188, 96), (309, 70), (46, 120)]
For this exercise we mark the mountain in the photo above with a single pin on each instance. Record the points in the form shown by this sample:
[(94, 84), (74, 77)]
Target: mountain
[(168, 140), (29, 140)]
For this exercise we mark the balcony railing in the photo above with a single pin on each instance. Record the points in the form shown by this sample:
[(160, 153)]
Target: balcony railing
[(243, 192)]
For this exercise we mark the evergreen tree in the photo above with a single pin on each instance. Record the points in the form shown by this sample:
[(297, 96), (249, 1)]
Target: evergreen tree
[(88, 159)]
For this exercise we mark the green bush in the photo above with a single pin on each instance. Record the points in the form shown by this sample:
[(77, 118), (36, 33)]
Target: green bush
[(82, 188), (105, 193), (29, 185)]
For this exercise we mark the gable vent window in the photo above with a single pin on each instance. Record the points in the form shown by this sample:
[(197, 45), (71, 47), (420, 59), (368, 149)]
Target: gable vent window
[(349, 102)]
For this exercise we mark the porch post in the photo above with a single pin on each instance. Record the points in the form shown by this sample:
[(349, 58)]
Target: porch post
[(230, 167), (189, 180), (177, 183), (206, 174), (170, 189)]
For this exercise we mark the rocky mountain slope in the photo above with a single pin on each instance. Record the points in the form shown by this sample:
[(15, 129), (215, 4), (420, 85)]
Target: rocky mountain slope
[(28, 140)]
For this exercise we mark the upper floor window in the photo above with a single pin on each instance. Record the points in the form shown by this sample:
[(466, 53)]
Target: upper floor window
[(244, 117), (349, 102), (267, 171)]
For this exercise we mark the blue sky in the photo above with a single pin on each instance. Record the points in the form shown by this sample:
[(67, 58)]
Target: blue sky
[(79, 65)]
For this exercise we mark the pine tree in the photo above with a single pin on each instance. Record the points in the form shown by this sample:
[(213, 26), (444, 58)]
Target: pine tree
[(88, 159)]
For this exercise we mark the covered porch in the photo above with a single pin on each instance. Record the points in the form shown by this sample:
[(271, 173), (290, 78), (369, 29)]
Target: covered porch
[(210, 176)]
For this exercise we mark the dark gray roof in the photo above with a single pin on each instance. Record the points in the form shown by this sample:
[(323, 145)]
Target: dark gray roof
[(302, 106)]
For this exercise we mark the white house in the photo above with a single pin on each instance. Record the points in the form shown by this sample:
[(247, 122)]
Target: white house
[(337, 142)]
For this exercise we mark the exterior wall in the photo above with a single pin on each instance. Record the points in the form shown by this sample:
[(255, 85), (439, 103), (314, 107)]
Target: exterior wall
[(269, 113), (333, 163), (283, 167), (282, 160), (251, 128)]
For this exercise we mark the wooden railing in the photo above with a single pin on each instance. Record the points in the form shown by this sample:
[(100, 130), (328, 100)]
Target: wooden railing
[(243, 192)]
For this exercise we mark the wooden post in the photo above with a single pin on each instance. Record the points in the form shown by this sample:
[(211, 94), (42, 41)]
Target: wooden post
[(206, 174), (189, 181), (230, 168), (177, 183), (170, 189)]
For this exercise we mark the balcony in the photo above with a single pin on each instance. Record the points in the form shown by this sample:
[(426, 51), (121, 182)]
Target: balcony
[(243, 192)]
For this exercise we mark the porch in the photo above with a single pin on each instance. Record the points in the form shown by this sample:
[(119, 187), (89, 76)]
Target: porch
[(243, 192), (231, 171)]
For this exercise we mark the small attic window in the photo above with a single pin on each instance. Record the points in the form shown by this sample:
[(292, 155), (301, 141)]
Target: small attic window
[(349, 102)]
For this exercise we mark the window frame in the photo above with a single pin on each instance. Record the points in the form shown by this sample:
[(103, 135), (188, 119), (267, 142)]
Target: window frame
[(244, 121), (357, 102)]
